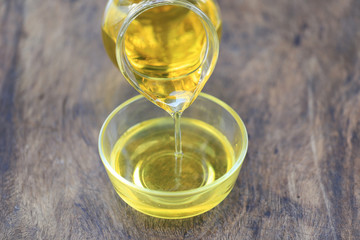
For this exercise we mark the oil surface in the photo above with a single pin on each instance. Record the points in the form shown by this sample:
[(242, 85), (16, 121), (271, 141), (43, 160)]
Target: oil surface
[(144, 155), (165, 47)]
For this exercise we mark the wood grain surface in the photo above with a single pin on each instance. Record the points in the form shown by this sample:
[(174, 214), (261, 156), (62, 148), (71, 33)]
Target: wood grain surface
[(291, 69)]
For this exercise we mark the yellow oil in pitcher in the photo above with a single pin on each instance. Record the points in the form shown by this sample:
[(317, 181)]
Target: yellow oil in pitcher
[(165, 46)]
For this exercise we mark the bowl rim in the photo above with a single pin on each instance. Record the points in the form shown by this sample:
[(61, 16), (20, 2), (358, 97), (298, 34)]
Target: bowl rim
[(238, 161)]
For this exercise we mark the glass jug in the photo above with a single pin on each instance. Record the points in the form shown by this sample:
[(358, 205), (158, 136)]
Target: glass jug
[(166, 49)]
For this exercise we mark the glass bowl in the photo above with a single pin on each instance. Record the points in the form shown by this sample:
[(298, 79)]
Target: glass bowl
[(214, 144)]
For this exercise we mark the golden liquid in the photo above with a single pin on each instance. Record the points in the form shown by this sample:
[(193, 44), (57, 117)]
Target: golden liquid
[(144, 155), (165, 47)]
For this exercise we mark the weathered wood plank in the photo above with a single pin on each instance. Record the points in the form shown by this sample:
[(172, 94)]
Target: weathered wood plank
[(291, 69), (11, 32)]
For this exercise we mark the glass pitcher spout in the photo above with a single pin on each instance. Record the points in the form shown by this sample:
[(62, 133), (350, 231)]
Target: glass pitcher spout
[(166, 49)]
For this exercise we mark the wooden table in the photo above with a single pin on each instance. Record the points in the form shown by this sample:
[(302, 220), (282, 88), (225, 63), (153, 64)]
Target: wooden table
[(291, 69)]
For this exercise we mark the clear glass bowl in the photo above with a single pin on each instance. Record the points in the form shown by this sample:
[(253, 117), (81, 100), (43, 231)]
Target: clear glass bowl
[(208, 111)]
